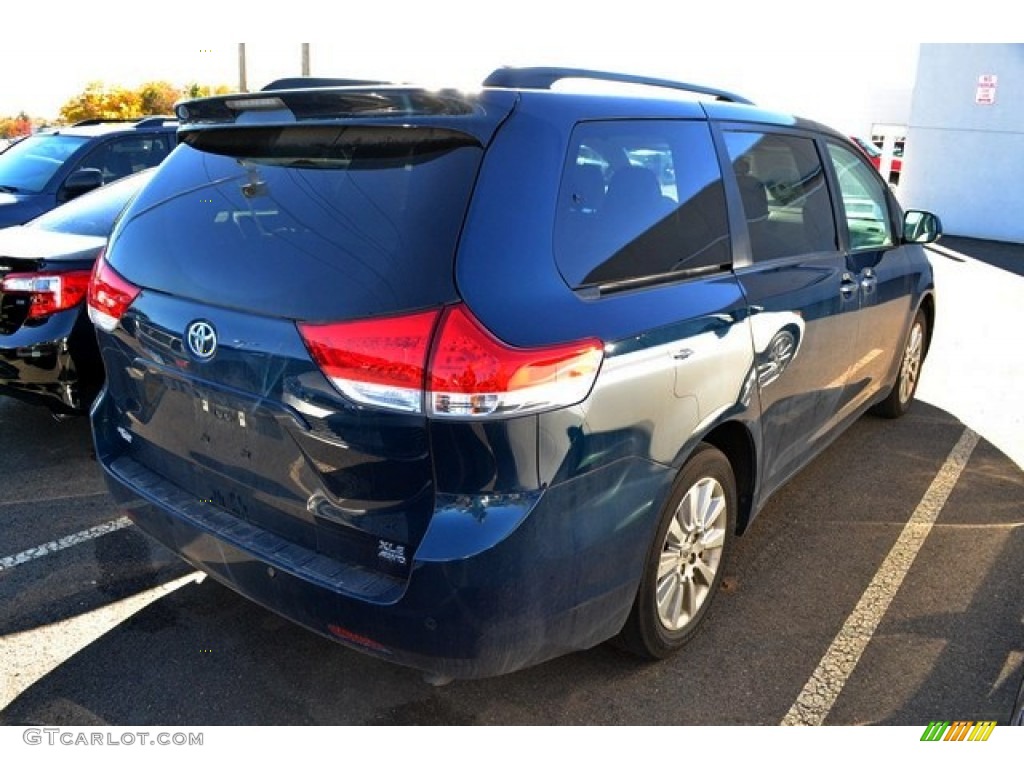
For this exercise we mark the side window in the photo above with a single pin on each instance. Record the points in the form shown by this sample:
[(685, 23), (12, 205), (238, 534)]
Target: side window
[(785, 198), (156, 149), (864, 201), (640, 199), (125, 156)]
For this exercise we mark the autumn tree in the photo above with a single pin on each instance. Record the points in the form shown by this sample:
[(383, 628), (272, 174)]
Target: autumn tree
[(100, 101), (11, 127), (197, 91), (158, 98)]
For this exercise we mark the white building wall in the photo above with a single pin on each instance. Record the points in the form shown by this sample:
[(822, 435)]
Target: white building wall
[(964, 160)]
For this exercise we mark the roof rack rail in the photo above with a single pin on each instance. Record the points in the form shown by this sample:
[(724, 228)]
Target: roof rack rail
[(102, 120), (288, 83), (544, 77), (144, 122), (149, 122)]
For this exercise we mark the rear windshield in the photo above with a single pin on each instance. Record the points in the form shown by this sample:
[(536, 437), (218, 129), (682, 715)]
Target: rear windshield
[(311, 223)]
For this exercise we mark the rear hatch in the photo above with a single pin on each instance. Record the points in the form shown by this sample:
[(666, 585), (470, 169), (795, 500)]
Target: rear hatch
[(277, 215)]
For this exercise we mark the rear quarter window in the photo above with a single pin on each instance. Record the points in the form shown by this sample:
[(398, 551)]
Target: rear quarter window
[(640, 199)]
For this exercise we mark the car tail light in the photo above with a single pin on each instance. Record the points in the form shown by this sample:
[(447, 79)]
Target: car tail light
[(450, 360), (48, 292), (472, 373), (375, 362), (110, 295)]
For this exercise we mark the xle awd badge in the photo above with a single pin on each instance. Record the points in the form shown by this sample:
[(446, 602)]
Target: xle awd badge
[(391, 552), (201, 339)]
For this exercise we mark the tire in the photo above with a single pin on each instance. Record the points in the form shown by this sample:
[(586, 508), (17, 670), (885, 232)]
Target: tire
[(902, 394), (687, 558)]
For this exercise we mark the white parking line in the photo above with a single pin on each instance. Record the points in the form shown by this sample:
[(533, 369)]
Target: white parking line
[(826, 683), (68, 541)]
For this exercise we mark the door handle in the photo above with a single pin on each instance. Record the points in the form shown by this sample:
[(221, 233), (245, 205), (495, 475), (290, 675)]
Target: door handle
[(868, 279), (848, 286)]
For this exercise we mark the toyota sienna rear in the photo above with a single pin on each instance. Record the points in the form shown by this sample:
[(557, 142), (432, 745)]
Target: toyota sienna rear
[(468, 381)]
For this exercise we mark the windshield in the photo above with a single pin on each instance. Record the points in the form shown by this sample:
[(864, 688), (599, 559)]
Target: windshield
[(29, 165), (93, 213)]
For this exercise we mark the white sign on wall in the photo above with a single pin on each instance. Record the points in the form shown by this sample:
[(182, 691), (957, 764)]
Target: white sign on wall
[(986, 91)]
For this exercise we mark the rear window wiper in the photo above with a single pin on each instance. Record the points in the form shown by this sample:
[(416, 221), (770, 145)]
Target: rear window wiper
[(5, 188)]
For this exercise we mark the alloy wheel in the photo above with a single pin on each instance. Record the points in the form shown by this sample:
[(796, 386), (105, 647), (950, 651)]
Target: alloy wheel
[(911, 368), (691, 553)]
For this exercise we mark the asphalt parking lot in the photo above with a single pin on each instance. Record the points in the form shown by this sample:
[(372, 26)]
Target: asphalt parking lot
[(881, 585)]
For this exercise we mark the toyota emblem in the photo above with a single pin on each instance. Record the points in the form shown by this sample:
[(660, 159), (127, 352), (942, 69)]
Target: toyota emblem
[(202, 339)]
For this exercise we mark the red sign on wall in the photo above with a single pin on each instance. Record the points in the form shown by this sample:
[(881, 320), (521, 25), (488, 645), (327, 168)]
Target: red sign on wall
[(986, 91)]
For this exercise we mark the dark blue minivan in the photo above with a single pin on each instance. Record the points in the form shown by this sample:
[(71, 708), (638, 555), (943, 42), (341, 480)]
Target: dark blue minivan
[(469, 381)]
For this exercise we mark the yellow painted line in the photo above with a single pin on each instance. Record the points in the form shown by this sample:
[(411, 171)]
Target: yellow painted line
[(826, 682)]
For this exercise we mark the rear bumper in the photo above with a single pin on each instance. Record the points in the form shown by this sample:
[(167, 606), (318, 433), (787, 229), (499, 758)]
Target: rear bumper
[(562, 578), (60, 395), (56, 364)]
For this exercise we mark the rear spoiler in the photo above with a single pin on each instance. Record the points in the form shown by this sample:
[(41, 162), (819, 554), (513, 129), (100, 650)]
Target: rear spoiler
[(295, 83), (326, 104)]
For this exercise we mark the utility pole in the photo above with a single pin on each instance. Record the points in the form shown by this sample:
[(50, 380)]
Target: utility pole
[(305, 59), (241, 68)]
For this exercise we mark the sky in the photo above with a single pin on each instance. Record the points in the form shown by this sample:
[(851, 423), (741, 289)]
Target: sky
[(782, 55)]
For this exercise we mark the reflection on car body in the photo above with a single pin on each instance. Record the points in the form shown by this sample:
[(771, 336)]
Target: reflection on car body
[(777, 337)]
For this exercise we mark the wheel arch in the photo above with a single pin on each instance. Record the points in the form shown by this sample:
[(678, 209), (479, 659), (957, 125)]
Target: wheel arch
[(735, 440), (928, 307)]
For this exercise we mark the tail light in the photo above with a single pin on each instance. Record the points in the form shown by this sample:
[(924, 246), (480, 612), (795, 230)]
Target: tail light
[(474, 374), (446, 362), (375, 362), (48, 292), (110, 295)]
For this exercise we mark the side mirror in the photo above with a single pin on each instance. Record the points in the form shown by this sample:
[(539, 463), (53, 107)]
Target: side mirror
[(81, 181), (921, 227)]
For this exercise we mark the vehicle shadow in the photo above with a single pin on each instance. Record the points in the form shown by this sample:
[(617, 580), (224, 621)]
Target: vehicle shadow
[(204, 656), (52, 488), (32, 441), (957, 652), (1008, 256)]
